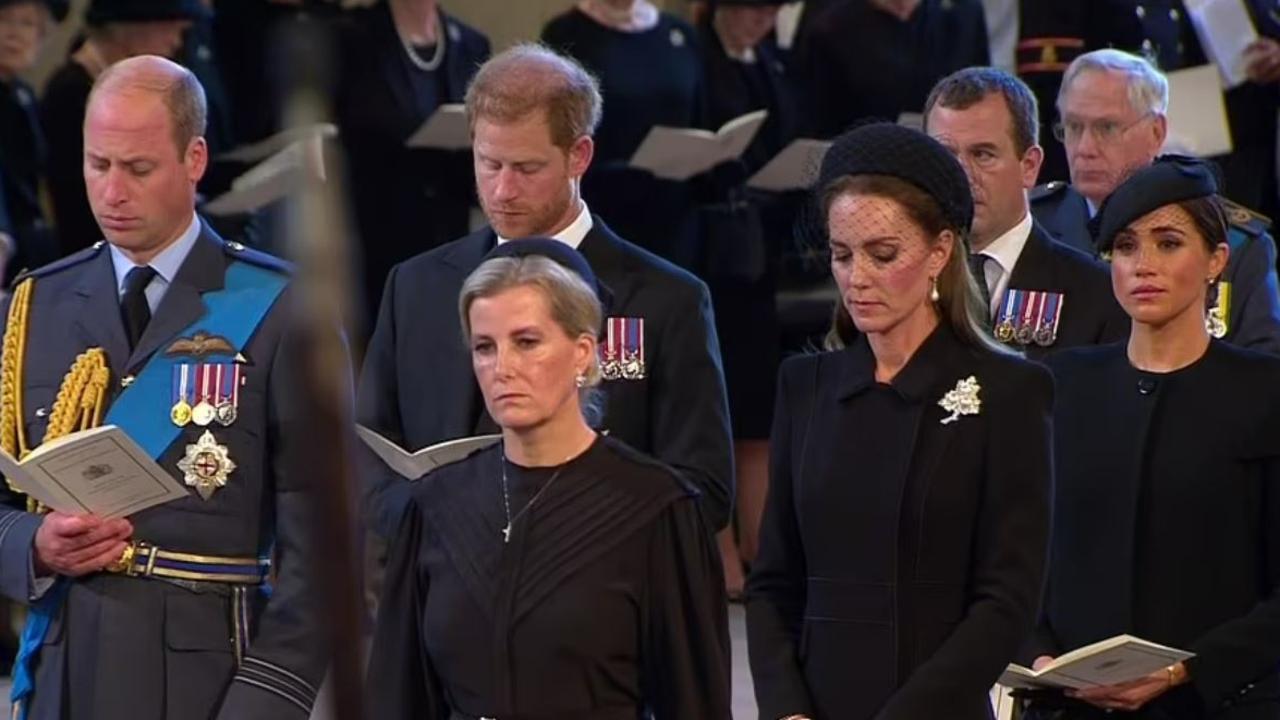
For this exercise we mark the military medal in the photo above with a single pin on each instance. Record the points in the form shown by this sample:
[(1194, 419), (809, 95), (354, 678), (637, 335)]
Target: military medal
[(632, 348), (610, 369), (206, 465), (1215, 321), (1047, 333), (203, 413), (1026, 331), (180, 413), (228, 394), (1004, 326)]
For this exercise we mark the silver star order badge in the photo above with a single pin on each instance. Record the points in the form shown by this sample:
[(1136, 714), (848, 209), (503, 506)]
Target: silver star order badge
[(961, 400), (206, 465)]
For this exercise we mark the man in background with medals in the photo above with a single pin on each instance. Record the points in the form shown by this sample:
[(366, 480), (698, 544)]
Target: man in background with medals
[(532, 114), (1041, 295), (1111, 109), (181, 340)]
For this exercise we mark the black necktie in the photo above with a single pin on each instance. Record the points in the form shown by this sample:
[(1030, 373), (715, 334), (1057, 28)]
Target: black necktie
[(978, 266), (133, 306)]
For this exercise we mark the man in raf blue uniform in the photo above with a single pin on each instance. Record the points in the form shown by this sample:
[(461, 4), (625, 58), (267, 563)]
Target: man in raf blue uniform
[(1112, 109), (182, 341), (1041, 295), (532, 113)]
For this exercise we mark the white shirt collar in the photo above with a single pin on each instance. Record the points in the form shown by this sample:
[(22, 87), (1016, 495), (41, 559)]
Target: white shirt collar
[(575, 232), (1005, 250), (166, 264)]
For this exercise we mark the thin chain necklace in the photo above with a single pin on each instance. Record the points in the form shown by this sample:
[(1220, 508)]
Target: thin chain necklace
[(436, 58), (506, 496)]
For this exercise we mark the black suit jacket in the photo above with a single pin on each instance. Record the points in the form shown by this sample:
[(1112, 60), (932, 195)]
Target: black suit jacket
[(899, 596), (1254, 318), (1090, 313), (417, 386), (1167, 521)]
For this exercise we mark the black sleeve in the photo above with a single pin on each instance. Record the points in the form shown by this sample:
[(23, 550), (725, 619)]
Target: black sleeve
[(401, 683), (690, 418), (1255, 297), (1009, 555), (776, 587), (1234, 654), (686, 652), (6, 223), (384, 492)]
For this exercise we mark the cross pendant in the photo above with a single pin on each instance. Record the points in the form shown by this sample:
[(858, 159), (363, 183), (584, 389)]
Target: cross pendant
[(506, 534)]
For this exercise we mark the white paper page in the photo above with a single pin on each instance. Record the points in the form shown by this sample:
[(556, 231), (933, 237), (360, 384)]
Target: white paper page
[(414, 465), (446, 129), (736, 135), (278, 187), (677, 153), (1197, 113), (102, 471), (278, 142), (1225, 30), (795, 168)]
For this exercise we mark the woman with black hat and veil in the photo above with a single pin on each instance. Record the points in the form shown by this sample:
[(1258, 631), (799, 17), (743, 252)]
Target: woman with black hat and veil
[(905, 530), (1167, 452), (558, 574)]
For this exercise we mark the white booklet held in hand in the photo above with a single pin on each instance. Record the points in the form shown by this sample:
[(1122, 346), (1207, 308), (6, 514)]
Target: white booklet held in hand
[(1225, 31), (281, 140), (413, 465), (680, 153), (1111, 661), (446, 129), (100, 471), (279, 176), (795, 168)]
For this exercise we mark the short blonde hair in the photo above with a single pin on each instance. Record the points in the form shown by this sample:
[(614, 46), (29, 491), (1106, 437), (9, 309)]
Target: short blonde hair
[(574, 306)]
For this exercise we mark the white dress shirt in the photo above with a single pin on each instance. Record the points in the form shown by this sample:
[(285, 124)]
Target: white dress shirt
[(1005, 251)]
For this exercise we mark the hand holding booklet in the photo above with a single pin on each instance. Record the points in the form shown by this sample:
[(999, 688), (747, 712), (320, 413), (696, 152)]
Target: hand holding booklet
[(100, 471), (1109, 662), (413, 465)]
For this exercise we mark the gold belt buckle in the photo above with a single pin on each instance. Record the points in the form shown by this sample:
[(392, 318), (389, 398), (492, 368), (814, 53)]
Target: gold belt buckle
[(124, 563)]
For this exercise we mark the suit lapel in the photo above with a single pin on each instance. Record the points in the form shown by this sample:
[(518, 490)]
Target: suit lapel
[(602, 249), (451, 360), (98, 320), (1034, 269), (181, 306)]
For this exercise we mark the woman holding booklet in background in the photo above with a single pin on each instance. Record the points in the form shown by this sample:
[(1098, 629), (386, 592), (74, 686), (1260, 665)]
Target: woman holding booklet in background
[(904, 536), (558, 574), (1167, 513)]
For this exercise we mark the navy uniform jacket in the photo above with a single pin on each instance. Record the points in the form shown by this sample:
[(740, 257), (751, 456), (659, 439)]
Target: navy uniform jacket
[(1254, 314), (417, 386), (147, 649), (1090, 313), (406, 200)]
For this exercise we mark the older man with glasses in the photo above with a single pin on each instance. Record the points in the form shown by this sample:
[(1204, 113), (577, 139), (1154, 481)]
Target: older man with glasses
[(1112, 122)]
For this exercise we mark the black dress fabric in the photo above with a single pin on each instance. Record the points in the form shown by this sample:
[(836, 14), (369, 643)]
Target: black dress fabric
[(1167, 522), (647, 78), (22, 162), (62, 117), (607, 601)]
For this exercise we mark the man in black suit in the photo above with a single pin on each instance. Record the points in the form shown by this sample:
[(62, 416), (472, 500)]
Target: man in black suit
[(1112, 107), (1042, 295), (532, 114)]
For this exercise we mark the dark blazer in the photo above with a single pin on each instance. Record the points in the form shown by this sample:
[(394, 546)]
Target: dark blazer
[(406, 201), (1167, 521), (147, 649), (22, 159), (1090, 313), (417, 386), (1254, 317), (899, 596)]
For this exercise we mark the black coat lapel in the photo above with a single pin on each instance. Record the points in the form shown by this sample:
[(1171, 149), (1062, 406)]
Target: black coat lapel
[(181, 306), (1034, 269), (603, 250), (450, 360), (98, 320)]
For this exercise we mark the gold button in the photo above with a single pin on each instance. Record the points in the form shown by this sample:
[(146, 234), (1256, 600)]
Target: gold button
[(236, 246), (126, 381), (1174, 15), (1141, 11), (42, 412)]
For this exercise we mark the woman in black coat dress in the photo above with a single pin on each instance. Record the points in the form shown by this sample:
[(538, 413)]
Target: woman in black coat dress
[(1167, 507), (905, 530)]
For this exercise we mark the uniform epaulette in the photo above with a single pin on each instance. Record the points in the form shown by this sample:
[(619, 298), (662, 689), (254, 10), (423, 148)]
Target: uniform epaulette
[(71, 260), (1046, 190), (1242, 218), (240, 251)]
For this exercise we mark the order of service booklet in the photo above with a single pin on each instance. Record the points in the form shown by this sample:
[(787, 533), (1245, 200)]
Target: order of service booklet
[(413, 465), (680, 153), (100, 471), (1115, 660)]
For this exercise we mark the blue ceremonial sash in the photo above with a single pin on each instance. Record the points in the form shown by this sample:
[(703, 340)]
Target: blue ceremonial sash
[(234, 312)]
